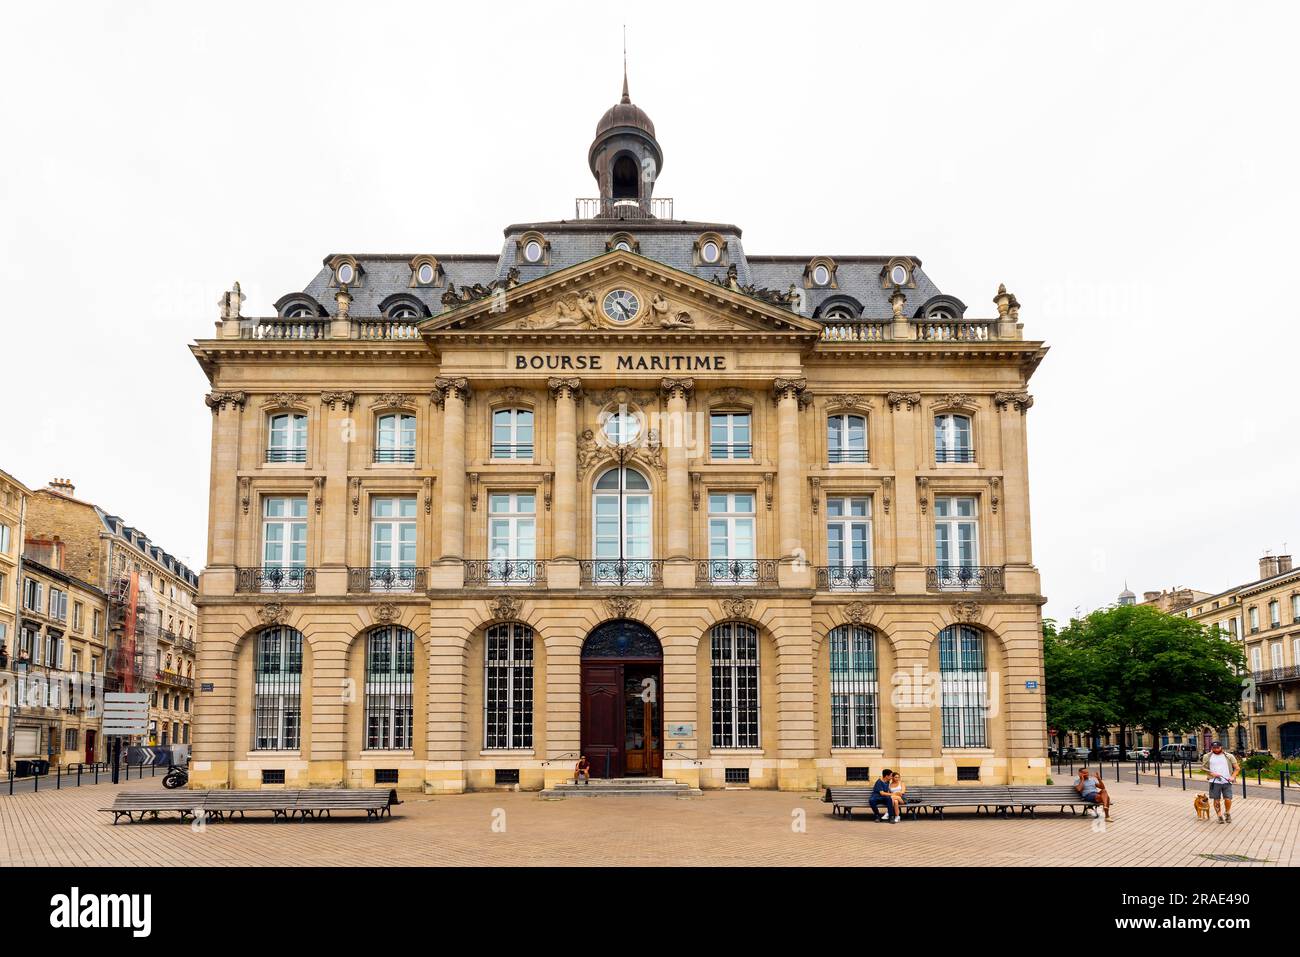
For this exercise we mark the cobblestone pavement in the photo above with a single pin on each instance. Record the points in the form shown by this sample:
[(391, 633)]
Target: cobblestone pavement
[(752, 828)]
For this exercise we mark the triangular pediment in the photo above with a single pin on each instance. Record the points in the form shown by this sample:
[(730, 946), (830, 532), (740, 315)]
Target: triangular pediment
[(616, 292)]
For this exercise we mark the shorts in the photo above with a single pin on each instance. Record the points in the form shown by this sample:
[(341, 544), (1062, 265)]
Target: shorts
[(1220, 789), (1094, 797)]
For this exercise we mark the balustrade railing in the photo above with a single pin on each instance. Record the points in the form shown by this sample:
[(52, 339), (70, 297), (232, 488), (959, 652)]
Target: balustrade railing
[(1272, 676), (303, 328), (385, 329), (386, 578), (604, 207), (846, 331), (505, 571), (736, 571), (275, 579), (957, 330), (985, 578), (878, 578), (621, 571)]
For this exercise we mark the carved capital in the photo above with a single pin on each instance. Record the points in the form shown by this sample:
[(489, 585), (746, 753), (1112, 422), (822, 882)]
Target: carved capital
[(896, 400), (445, 386), (1019, 401), (796, 389), (737, 607), (674, 387), (621, 606), (505, 607), (565, 387), (220, 401), (967, 612), (334, 400)]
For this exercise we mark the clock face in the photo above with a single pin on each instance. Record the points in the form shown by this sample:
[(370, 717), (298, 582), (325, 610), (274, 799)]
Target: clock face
[(621, 305)]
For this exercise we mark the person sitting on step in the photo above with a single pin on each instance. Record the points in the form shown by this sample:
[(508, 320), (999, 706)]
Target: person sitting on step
[(582, 770)]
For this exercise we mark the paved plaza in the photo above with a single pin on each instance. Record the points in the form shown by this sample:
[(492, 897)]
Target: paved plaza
[(752, 828)]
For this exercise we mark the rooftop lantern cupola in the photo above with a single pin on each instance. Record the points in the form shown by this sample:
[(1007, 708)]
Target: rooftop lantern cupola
[(626, 159)]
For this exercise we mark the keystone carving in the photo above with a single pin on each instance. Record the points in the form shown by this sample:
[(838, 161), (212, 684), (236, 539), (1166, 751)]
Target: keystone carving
[(273, 613), (282, 399), (858, 613), (621, 606), (391, 400), (386, 612), (967, 611), (737, 607), (505, 607)]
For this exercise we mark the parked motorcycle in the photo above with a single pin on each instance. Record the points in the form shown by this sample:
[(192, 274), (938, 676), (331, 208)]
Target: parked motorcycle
[(176, 777)]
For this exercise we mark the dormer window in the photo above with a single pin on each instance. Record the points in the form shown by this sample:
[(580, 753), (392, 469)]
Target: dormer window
[(898, 275), (623, 241), (533, 251), (532, 248), (402, 312), (710, 250), (425, 273), (300, 311), (898, 272), (819, 273), (345, 274)]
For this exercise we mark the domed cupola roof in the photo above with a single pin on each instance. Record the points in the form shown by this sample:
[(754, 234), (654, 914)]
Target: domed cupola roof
[(625, 113)]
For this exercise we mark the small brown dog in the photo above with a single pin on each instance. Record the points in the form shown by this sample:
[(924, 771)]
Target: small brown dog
[(1202, 806)]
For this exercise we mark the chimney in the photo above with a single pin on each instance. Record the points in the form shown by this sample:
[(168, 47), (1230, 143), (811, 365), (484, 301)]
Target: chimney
[(62, 486), (1268, 566), (1283, 563), (1149, 596)]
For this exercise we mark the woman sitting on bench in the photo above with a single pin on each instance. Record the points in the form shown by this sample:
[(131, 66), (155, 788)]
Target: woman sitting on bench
[(897, 793)]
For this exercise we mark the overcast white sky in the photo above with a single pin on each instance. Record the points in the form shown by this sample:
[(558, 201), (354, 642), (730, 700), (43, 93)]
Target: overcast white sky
[(1127, 169)]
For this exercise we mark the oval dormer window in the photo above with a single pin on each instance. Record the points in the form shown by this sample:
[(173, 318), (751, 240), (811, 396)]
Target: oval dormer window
[(533, 251), (898, 275), (425, 273), (346, 273), (821, 276), (710, 252)]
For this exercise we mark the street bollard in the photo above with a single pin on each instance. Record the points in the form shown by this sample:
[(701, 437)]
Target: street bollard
[(1182, 771), (58, 777), (11, 782), (1281, 780), (79, 767)]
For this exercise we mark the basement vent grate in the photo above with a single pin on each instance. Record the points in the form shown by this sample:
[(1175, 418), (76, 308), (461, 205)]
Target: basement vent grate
[(857, 774), (385, 775), (968, 774), (736, 775), (507, 776), (272, 777)]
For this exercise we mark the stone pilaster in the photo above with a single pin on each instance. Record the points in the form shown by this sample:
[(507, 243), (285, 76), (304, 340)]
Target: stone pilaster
[(224, 495), (909, 522), (789, 395), (563, 572), (336, 437), (678, 570), (453, 395)]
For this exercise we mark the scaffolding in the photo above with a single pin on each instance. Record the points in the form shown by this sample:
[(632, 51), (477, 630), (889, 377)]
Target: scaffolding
[(136, 622)]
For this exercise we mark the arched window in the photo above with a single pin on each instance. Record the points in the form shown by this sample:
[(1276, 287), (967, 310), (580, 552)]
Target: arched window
[(846, 438), (287, 438), (277, 690), (395, 438), (508, 686), (512, 434), (621, 516), (854, 690), (299, 311), (390, 677), (734, 675), (963, 686), (625, 177), (952, 438)]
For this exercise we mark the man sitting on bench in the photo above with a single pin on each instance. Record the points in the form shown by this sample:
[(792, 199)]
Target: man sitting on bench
[(881, 797), (1093, 790)]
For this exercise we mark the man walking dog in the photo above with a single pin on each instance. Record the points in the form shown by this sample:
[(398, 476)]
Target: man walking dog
[(1221, 770)]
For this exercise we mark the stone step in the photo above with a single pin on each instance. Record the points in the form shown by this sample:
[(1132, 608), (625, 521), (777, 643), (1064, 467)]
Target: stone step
[(622, 787)]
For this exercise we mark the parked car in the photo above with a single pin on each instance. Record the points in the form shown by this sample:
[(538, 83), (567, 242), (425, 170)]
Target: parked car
[(1139, 754), (1180, 752), (1077, 753), (1110, 752)]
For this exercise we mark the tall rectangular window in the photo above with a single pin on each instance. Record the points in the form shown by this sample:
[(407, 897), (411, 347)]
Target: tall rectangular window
[(848, 541), (392, 542), (732, 537), (6, 539), (1254, 619), (277, 690), (854, 691), (32, 595), (952, 439), (1256, 659), (956, 540), (512, 537), (730, 436), (395, 438), (846, 438), (287, 438), (963, 687), (1274, 613), (512, 434), (284, 542), (508, 687), (58, 604), (390, 677), (1276, 651), (734, 675)]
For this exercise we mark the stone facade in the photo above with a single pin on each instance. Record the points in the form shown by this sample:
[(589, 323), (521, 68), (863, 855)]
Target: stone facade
[(304, 405), (13, 508)]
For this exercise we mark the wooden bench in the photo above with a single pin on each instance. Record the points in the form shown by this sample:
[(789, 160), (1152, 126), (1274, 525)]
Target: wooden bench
[(1029, 797), (935, 798), (844, 799), (219, 804), (127, 803), (376, 802)]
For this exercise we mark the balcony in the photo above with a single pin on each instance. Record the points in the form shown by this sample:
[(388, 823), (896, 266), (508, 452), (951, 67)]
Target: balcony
[(622, 571), (286, 455), (851, 330), (603, 207), (305, 327), (736, 571), (176, 679), (403, 578), (1275, 676), (954, 455), (511, 572), (275, 579), (839, 329), (955, 330), (962, 578), (723, 451), (855, 578), (512, 451)]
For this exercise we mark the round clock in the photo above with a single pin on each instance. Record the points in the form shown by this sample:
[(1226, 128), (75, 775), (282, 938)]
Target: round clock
[(621, 305)]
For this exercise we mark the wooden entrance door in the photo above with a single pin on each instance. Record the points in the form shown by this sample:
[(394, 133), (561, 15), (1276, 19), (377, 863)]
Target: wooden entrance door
[(90, 746), (602, 693), (622, 719), (642, 721)]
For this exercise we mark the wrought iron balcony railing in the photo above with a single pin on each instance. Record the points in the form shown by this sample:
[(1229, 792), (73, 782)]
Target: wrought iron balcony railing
[(275, 579), (286, 455), (731, 450), (987, 578), (386, 578), (1274, 676), (386, 456), (621, 571), (505, 571), (736, 571), (512, 450), (855, 578), (604, 207), (954, 455), (836, 456)]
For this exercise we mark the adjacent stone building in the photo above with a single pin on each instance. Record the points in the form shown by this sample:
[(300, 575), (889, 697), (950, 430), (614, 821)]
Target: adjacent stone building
[(13, 509), (620, 489)]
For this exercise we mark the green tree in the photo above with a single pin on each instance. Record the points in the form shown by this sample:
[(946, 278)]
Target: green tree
[(1077, 698), (1159, 672)]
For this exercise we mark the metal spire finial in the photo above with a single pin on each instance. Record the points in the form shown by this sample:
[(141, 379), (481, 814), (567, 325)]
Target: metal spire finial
[(626, 97)]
